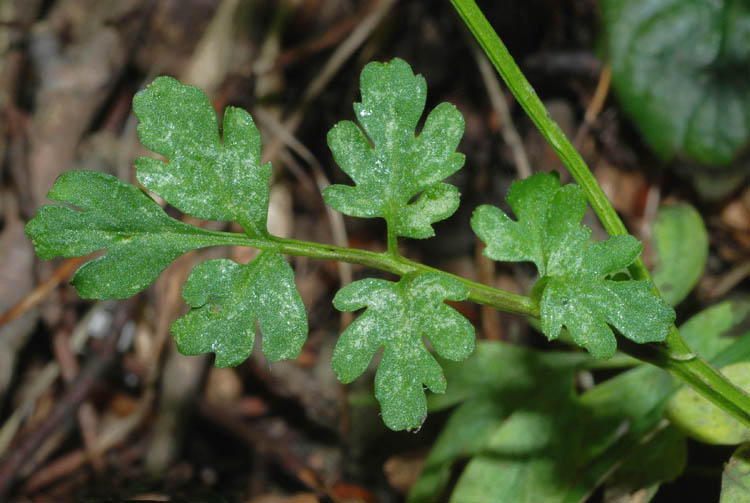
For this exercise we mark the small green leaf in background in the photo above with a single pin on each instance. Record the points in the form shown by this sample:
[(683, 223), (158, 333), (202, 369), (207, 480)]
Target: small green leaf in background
[(735, 482), (497, 379), (398, 316), (660, 457), (611, 433), (464, 435), (714, 329), (524, 448), (704, 421), (203, 177), (227, 298), (141, 240), (719, 334), (623, 413), (544, 443), (577, 292), (681, 246), (397, 165), (681, 69)]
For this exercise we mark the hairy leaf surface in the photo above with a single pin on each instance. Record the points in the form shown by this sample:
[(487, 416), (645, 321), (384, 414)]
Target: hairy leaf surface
[(204, 177), (576, 286), (141, 240), (227, 298), (397, 317), (397, 165)]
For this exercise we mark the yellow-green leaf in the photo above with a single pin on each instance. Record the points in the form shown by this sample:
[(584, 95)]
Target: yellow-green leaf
[(704, 421), (735, 481)]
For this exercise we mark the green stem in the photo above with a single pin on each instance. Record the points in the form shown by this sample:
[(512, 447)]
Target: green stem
[(674, 355), (535, 109), (696, 372), (388, 262), (523, 91), (392, 240)]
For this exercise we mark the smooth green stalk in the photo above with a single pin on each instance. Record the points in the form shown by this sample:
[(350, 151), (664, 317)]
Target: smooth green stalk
[(396, 264), (674, 355), (387, 262), (535, 109)]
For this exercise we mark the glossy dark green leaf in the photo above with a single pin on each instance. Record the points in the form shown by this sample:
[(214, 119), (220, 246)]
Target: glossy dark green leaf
[(204, 177), (638, 399), (397, 317), (556, 447), (227, 298), (577, 291), (515, 372), (388, 163), (735, 481), (140, 239), (681, 69), (681, 244), (525, 448)]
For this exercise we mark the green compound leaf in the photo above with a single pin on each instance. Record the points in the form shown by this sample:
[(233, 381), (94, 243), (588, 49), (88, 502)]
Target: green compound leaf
[(227, 298), (526, 240), (657, 458), (398, 316), (204, 177), (681, 69), (140, 239), (576, 291), (397, 165)]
